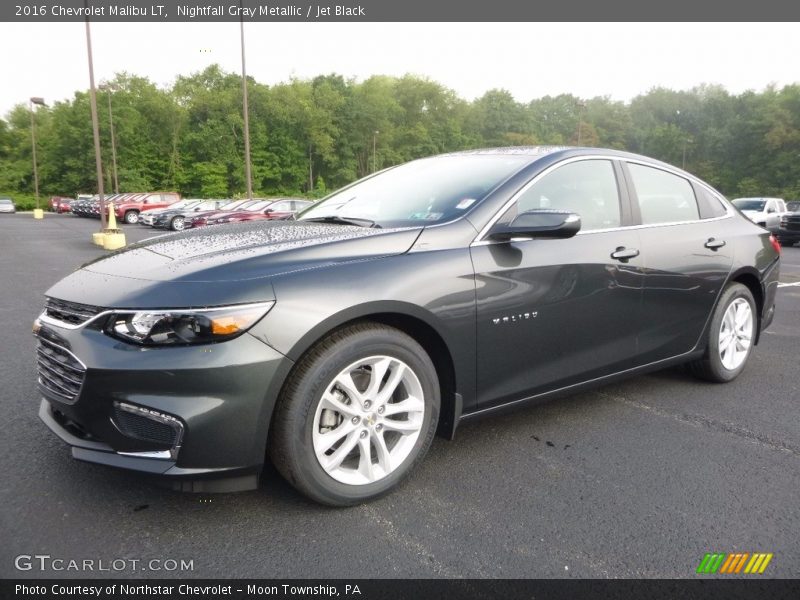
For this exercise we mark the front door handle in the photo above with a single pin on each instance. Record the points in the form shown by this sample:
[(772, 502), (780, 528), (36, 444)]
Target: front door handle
[(622, 253), (713, 244)]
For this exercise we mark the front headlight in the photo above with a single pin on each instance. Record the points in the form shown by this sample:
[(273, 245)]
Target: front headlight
[(173, 327)]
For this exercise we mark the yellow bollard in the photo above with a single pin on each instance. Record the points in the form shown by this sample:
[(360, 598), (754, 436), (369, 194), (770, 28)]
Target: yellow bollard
[(113, 238), (98, 238), (38, 213), (112, 219)]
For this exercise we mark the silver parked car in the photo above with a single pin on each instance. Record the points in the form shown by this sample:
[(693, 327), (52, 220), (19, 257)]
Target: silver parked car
[(7, 206)]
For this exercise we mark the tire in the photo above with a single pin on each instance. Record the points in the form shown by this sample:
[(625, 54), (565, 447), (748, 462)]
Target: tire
[(315, 403), (735, 318), (177, 224), (131, 217)]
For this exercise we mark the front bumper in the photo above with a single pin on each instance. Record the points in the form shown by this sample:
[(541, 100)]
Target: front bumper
[(218, 398)]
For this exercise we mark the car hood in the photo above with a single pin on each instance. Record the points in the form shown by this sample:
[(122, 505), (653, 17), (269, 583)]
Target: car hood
[(181, 269)]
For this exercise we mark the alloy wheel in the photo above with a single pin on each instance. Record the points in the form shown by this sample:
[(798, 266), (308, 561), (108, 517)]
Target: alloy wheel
[(368, 420), (736, 334)]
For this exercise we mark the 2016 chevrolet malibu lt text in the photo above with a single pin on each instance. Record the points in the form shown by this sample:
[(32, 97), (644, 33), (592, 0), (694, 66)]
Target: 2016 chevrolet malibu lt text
[(337, 344)]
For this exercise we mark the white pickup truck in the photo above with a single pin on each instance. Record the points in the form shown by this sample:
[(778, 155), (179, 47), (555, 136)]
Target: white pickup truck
[(762, 211)]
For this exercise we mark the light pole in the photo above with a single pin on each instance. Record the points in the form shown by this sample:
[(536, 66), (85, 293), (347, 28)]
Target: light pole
[(108, 89), (95, 125), (40, 102), (374, 146), (245, 110)]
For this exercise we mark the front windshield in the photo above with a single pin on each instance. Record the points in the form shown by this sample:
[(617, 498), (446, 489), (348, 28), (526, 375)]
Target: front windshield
[(793, 206), (748, 204), (422, 192)]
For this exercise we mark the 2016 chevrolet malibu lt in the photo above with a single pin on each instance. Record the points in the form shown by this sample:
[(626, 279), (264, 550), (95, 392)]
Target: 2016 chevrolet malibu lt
[(337, 344)]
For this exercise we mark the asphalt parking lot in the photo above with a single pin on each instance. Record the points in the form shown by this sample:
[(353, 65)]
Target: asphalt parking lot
[(638, 479)]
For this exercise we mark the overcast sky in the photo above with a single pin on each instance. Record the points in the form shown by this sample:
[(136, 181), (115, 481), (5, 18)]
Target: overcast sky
[(528, 59)]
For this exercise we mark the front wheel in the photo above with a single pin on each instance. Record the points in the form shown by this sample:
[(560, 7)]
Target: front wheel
[(177, 224), (131, 217), (358, 413), (730, 337)]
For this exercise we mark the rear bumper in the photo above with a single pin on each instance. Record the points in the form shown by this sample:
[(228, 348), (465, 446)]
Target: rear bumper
[(769, 282)]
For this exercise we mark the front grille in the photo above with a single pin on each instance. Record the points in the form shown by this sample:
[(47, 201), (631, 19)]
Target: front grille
[(139, 424), (791, 223), (60, 373), (70, 312)]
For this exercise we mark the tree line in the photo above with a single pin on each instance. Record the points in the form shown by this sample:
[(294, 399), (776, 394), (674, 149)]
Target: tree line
[(311, 136)]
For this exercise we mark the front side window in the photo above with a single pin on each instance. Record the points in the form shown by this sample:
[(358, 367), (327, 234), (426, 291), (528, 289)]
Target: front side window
[(587, 187), (663, 197)]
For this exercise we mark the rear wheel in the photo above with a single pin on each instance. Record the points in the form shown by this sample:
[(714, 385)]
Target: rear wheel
[(731, 336), (131, 217), (177, 224), (356, 416)]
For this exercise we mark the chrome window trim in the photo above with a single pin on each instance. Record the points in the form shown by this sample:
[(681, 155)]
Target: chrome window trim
[(480, 241)]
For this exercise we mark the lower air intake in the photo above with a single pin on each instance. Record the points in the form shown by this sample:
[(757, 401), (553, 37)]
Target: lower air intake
[(147, 425)]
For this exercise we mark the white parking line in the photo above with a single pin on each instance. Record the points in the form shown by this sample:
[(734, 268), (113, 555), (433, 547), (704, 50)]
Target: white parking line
[(795, 284)]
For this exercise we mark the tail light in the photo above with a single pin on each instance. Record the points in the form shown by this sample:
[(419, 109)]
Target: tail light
[(775, 243)]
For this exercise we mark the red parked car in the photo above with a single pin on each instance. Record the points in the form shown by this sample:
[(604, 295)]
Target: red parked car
[(128, 209), (202, 218), (60, 204), (273, 209)]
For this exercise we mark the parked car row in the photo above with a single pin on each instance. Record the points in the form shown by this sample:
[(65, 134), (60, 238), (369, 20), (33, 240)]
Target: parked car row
[(200, 213), (126, 206)]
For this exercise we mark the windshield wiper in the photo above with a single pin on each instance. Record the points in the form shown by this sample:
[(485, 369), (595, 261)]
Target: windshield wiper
[(344, 221)]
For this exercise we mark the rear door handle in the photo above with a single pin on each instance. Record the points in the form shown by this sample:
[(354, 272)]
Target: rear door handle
[(713, 244), (622, 253)]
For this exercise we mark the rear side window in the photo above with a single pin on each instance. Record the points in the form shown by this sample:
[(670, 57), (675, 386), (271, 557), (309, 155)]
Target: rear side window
[(710, 206), (663, 197)]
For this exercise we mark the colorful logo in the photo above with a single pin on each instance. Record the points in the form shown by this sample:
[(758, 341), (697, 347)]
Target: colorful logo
[(739, 562)]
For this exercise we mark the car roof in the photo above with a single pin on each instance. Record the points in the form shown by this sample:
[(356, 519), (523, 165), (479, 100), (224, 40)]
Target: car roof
[(538, 152)]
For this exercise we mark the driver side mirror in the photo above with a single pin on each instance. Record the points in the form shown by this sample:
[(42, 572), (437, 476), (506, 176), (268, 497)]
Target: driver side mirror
[(538, 223)]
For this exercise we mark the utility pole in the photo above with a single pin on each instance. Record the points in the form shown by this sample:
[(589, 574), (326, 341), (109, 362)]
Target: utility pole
[(95, 124), (40, 102), (247, 170)]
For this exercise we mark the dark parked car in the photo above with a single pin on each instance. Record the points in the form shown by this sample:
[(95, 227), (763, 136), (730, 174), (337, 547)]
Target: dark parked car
[(175, 219), (147, 217), (273, 209), (7, 205), (789, 229), (428, 294)]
